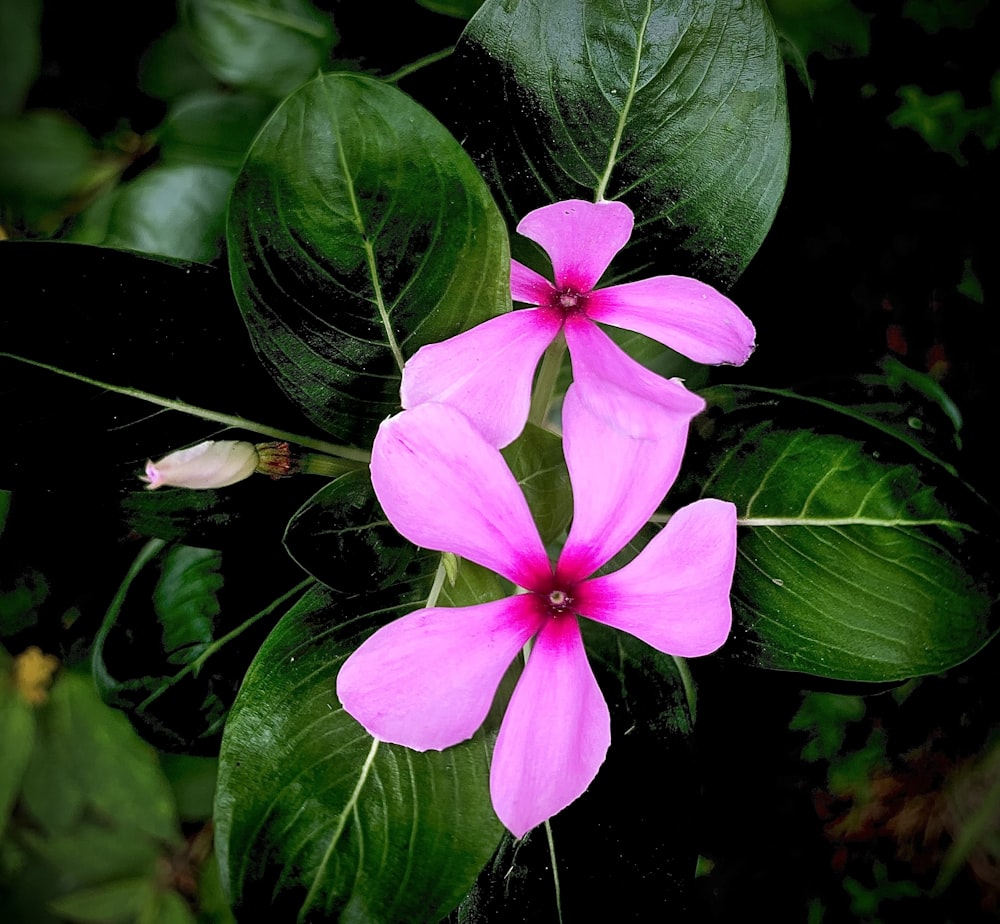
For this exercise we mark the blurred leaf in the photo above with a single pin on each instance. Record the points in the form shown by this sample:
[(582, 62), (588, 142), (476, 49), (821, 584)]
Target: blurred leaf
[(944, 121), (463, 9), (177, 210), (390, 834), (342, 537), (934, 15), (4, 509), (193, 781), (212, 128), (832, 28), (88, 759), (185, 601), (17, 738), (677, 109), (171, 67), (44, 158), (849, 566), (112, 903), (266, 45), (536, 459), (359, 230), (20, 51)]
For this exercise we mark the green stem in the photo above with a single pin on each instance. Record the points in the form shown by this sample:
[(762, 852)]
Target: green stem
[(545, 384), (687, 681), (231, 420), (198, 663), (555, 870), (147, 553), (411, 68)]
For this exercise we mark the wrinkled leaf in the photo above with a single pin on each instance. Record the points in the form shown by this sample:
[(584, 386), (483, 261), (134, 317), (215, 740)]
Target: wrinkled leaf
[(678, 109), (359, 230), (342, 537), (266, 45), (185, 600), (17, 738), (850, 566), (390, 834)]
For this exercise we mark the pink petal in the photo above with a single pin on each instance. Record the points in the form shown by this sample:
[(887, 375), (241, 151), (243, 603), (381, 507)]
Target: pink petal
[(616, 387), (581, 238), (427, 680), (681, 313), (618, 480), (554, 735), (528, 286), (675, 594), (445, 488), (485, 372)]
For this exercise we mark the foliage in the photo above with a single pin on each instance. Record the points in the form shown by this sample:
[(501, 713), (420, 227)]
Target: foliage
[(256, 242)]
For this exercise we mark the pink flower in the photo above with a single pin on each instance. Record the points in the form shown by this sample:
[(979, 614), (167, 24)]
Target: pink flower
[(428, 679), (212, 464), (581, 238)]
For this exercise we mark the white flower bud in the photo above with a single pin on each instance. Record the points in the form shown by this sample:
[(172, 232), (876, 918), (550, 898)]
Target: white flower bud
[(212, 464)]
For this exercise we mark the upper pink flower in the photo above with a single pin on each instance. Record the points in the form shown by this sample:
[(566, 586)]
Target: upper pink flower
[(428, 679), (581, 239)]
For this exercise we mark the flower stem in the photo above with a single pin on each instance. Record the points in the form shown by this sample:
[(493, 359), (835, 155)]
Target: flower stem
[(555, 870), (545, 383), (333, 449), (415, 66), (687, 681)]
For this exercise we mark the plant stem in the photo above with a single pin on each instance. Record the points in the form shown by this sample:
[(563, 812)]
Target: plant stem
[(545, 383)]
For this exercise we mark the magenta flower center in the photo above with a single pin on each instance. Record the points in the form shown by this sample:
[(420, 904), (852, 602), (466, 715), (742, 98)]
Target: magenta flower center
[(569, 301), (557, 601)]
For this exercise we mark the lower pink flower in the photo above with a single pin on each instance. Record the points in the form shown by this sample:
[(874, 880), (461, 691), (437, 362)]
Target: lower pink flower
[(427, 680)]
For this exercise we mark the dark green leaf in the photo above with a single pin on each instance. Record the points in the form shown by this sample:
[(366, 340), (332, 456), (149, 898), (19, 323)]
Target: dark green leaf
[(678, 109), (359, 230), (464, 9), (185, 600), (536, 459), (266, 45), (850, 566), (20, 51), (390, 834), (126, 900), (341, 536), (171, 67)]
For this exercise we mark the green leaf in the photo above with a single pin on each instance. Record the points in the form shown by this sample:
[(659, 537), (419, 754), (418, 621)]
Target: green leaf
[(266, 45), (17, 738), (389, 834), (171, 67), (678, 109), (212, 128), (463, 9), (850, 565), (359, 230), (342, 537), (114, 902), (88, 759), (44, 158), (536, 459), (177, 210), (185, 601), (20, 51)]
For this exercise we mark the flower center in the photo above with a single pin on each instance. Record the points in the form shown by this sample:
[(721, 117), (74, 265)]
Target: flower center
[(569, 302), (558, 602)]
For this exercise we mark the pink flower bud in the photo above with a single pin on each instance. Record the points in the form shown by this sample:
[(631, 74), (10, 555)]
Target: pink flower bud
[(212, 464)]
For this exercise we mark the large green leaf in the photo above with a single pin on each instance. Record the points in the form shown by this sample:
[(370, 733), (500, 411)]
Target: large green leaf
[(677, 108), (852, 564), (266, 45), (388, 834), (341, 536), (20, 51), (359, 230)]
